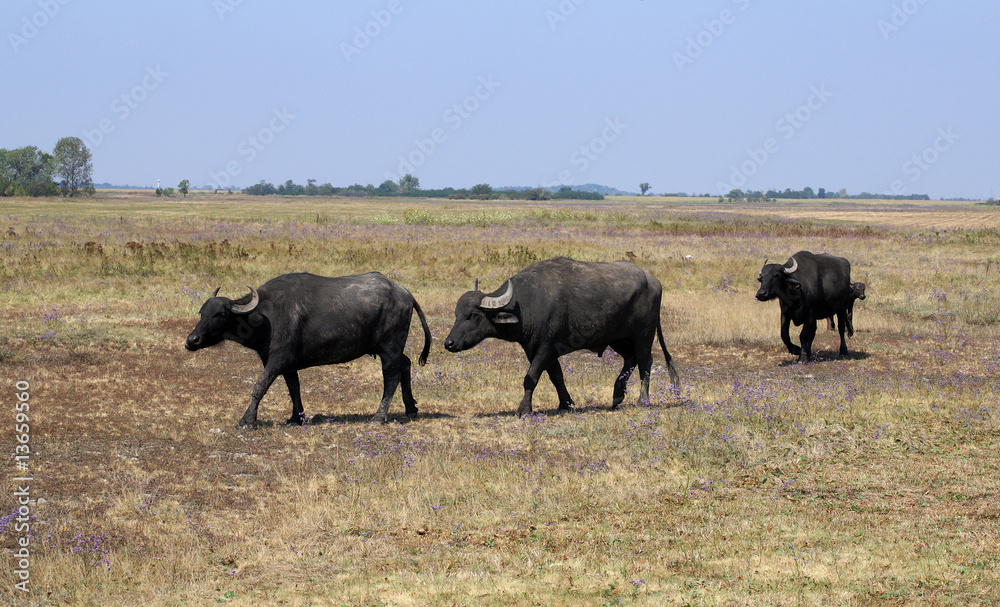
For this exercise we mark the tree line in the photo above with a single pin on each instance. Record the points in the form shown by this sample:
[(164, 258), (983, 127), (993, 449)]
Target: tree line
[(409, 186), (806, 193), (29, 171)]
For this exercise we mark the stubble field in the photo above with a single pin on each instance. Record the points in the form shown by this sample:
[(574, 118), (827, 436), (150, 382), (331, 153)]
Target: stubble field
[(873, 480)]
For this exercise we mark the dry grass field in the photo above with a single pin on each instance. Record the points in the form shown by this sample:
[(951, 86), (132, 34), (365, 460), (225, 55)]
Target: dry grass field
[(873, 480)]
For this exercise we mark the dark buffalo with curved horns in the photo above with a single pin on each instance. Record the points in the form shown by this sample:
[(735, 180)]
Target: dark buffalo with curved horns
[(560, 305), (809, 288), (297, 321)]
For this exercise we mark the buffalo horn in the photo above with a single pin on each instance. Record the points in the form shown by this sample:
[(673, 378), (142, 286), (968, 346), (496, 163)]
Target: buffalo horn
[(475, 285), (216, 294), (795, 266), (493, 303), (246, 308)]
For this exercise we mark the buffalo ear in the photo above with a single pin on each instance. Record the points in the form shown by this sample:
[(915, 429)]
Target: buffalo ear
[(795, 284), (505, 318)]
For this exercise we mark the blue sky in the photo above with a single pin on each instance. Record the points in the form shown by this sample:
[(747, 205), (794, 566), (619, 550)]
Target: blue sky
[(879, 96)]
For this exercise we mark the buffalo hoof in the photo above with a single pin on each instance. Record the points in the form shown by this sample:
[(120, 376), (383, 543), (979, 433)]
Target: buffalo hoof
[(522, 411), (378, 420), (248, 424), (413, 413), (295, 420)]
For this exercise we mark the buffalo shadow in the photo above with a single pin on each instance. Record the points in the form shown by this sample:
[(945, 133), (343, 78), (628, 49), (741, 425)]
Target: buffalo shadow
[(666, 403), (826, 356), (320, 419)]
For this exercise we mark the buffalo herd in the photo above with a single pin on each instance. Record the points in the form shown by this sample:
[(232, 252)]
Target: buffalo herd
[(551, 308)]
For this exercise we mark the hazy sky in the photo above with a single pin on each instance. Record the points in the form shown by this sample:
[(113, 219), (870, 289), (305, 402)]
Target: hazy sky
[(866, 95)]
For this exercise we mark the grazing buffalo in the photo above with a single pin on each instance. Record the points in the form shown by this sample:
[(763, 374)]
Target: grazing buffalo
[(808, 288), (857, 292), (296, 321), (560, 305)]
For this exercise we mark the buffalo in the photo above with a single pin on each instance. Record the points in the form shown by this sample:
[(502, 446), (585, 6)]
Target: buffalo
[(561, 305), (857, 292), (297, 321), (808, 288)]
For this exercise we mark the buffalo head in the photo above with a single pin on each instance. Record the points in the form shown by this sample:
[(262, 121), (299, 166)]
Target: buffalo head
[(221, 317), (776, 279), (477, 316)]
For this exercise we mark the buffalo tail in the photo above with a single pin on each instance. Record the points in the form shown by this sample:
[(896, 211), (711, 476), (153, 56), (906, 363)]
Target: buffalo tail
[(427, 334), (674, 377)]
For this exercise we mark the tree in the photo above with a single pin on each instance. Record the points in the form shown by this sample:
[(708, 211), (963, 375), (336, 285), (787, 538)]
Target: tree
[(481, 191), (26, 171), (537, 194), (183, 186), (311, 188), (408, 183), (290, 188), (644, 186), (262, 188), (735, 195), (168, 192), (387, 188), (72, 164)]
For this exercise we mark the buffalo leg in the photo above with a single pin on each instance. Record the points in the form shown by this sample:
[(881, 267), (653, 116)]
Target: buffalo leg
[(850, 318), (843, 323), (292, 381), (645, 366), (792, 348), (539, 363), (390, 381), (249, 419), (627, 367), (556, 375), (408, 400), (806, 339)]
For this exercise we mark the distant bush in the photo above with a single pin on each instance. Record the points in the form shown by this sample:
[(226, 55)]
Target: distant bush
[(566, 193), (263, 188)]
